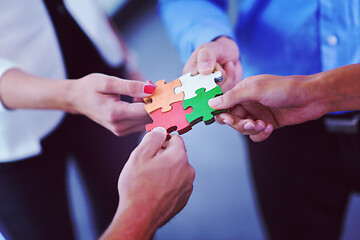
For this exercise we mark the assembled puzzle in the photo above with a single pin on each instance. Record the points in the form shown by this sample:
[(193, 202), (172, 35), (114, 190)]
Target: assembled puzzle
[(182, 103)]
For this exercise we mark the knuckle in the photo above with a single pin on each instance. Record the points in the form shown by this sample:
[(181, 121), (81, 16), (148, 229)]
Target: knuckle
[(191, 173), (135, 155), (112, 116), (119, 131), (106, 84), (229, 95), (132, 87)]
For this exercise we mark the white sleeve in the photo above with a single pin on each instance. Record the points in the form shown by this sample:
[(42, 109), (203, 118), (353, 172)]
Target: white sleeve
[(5, 65)]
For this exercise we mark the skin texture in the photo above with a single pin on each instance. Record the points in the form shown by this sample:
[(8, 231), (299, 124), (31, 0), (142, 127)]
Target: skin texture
[(154, 186), (259, 104), (222, 55), (96, 95)]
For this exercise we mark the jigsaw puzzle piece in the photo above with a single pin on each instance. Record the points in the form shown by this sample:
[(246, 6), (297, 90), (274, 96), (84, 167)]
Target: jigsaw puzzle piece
[(174, 120), (201, 109), (189, 84), (163, 96)]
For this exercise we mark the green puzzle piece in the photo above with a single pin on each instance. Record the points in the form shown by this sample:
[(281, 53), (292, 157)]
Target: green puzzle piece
[(201, 108)]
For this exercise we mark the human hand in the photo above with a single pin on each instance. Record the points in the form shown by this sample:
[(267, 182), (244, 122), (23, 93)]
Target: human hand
[(98, 97), (259, 104), (219, 55), (154, 186)]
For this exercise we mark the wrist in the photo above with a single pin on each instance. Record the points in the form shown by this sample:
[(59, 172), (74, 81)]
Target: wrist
[(315, 97), (131, 221), (69, 96), (328, 94)]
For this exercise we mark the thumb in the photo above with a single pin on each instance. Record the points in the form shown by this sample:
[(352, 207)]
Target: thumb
[(206, 61), (131, 88), (231, 98), (152, 142)]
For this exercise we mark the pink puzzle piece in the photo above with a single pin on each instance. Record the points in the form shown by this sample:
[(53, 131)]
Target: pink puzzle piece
[(174, 120)]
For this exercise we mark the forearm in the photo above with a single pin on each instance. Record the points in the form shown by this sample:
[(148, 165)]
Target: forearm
[(337, 89), (192, 23), (130, 223), (22, 90)]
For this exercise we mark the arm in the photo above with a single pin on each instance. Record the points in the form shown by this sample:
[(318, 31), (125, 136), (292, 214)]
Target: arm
[(96, 95), (203, 30), (154, 186), (191, 23), (280, 101)]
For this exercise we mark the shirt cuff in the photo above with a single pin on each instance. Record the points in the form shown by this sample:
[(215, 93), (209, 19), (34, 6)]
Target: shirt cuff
[(5, 65)]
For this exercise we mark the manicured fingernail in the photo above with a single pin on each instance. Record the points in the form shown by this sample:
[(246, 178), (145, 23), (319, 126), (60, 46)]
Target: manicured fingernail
[(149, 89), (249, 126), (268, 129), (151, 82), (215, 102)]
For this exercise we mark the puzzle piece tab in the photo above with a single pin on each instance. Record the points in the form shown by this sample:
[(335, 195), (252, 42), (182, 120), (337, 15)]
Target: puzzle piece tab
[(163, 96), (201, 109), (189, 84), (174, 120)]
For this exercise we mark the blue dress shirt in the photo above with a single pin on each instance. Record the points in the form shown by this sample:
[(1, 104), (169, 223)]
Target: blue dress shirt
[(279, 37)]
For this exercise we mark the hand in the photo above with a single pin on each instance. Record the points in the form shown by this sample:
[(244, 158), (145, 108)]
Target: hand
[(98, 97), (219, 55), (154, 186), (261, 103)]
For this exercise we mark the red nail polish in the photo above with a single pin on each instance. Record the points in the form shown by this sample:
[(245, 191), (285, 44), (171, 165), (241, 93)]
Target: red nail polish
[(151, 82), (148, 89)]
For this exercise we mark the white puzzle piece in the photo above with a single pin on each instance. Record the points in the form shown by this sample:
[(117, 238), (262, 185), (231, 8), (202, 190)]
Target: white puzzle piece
[(189, 84)]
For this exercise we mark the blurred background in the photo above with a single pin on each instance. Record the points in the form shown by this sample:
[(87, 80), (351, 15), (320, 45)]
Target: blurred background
[(223, 205)]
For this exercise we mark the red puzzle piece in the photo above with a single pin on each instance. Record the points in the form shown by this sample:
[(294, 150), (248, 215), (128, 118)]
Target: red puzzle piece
[(174, 120)]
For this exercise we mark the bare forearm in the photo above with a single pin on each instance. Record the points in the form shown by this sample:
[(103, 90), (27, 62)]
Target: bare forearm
[(338, 89), (21, 90), (130, 223)]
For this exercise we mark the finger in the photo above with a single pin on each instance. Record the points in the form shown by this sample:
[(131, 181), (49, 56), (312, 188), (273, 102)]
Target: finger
[(128, 111), (191, 64), (224, 118), (263, 135), (238, 72), (126, 128), (114, 85), (230, 80), (175, 145), (235, 96), (218, 67), (239, 111), (248, 126), (152, 142), (206, 61), (138, 100)]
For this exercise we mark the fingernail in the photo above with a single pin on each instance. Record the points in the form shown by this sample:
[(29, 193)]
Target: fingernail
[(226, 121), (268, 129), (204, 65), (215, 102), (249, 126), (259, 126), (159, 129), (231, 65), (149, 89)]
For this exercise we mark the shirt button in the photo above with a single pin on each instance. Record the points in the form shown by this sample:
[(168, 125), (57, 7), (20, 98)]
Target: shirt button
[(332, 40)]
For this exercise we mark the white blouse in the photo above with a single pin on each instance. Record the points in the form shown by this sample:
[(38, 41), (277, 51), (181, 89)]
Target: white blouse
[(28, 41)]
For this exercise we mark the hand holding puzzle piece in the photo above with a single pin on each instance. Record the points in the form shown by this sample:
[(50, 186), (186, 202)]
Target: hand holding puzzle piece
[(182, 103)]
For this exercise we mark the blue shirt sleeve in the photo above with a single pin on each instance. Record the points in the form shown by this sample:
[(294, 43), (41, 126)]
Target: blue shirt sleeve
[(191, 23)]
